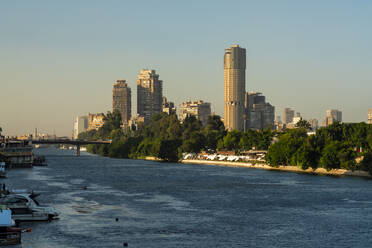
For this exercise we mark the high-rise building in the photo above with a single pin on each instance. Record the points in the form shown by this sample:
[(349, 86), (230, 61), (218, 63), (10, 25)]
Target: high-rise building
[(149, 94), (332, 116), (369, 117), (259, 113), (168, 107), (313, 123), (121, 100), (95, 121), (234, 87), (201, 110), (288, 115), (80, 125)]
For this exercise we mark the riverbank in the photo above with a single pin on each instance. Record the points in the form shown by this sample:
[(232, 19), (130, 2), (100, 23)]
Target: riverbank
[(319, 171)]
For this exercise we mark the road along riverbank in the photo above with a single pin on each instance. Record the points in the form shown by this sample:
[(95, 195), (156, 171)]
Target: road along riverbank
[(319, 171)]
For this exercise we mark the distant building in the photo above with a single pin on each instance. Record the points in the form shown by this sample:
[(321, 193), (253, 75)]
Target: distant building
[(314, 124), (332, 116), (294, 122), (234, 87), (121, 100), (168, 107), (288, 115), (279, 125), (149, 94), (369, 117), (258, 113), (80, 125), (201, 110), (95, 121)]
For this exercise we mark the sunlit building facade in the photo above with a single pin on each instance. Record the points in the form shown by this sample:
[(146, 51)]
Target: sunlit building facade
[(121, 101), (234, 87), (149, 94)]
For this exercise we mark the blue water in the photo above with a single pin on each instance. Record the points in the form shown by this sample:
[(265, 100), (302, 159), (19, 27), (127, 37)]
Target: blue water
[(178, 205)]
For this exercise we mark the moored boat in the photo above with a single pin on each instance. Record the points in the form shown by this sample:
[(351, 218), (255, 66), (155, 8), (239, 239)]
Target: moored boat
[(25, 208), (9, 235)]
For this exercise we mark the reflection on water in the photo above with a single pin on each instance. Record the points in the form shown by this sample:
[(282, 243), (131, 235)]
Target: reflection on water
[(105, 202)]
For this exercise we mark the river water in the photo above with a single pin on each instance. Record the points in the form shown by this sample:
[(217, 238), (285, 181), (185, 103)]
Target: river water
[(178, 205)]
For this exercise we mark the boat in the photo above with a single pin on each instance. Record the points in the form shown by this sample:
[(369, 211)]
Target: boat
[(2, 169), (18, 153), (9, 234), (26, 208)]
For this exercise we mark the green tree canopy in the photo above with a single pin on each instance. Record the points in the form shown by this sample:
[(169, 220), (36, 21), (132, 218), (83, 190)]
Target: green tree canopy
[(303, 124)]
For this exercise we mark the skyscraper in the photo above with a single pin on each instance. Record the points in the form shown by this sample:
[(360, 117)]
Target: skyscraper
[(80, 125), (259, 113), (288, 115), (234, 87), (332, 116), (369, 116), (121, 100), (149, 94)]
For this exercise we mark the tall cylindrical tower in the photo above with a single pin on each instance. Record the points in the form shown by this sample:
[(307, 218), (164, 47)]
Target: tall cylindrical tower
[(234, 90)]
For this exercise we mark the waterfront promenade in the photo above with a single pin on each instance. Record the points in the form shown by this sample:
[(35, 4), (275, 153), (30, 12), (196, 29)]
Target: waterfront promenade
[(319, 171)]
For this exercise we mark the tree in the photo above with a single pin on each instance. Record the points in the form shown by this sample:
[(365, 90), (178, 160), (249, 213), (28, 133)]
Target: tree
[(281, 152), (329, 159), (366, 163), (112, 121), (214, 123), (232, 139), (303, 124), (195, 143), (167, 150)]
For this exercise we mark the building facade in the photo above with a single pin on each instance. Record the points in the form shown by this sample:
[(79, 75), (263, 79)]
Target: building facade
[(369, 116), (314, 124), (95, 121), (80, 125), (121, 101), (332, 116), (259, 114), (288, 115), (168, 107), (234, 87), (201, 110), (149, 94)]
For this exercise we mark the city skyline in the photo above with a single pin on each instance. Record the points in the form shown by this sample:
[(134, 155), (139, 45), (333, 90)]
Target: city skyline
[(58, 63)]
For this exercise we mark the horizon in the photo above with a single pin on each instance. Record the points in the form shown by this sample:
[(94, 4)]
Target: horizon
[(59, 62)]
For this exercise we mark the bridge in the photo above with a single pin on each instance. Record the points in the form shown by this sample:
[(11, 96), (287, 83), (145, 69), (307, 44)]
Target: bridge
[(76, 143)]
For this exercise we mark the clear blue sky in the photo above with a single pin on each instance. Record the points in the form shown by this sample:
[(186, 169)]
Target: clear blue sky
[(59, 59)]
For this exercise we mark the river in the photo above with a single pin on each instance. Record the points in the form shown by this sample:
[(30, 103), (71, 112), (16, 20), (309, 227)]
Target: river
[(107, 202)]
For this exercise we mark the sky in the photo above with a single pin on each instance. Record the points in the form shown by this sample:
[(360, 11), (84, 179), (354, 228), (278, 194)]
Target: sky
[(59, 59)]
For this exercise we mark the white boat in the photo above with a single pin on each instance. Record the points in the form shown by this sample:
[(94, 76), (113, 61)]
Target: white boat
[(24, 208), (2, 169), (9, 235)]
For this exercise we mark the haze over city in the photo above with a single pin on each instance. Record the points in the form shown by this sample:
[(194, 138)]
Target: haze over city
[(59, 60)]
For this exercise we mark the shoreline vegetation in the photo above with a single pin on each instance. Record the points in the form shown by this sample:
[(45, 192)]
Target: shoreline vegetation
[(318, 171), (265, 166), (339, 149)]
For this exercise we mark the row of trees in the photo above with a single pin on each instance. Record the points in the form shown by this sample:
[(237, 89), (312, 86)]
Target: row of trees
[(167, 138), (338, 146)]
